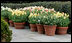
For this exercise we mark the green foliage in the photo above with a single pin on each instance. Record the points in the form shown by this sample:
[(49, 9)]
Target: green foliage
[(39, 19), (5, 13), (32, 20), (63, 22), (10, 16), (5, 32), (19, 19), (28, 12), (49, 20)]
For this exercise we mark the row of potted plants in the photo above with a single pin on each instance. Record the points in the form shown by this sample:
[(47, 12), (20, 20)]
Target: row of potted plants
[(50, 22), (41, 19), (16, 15)]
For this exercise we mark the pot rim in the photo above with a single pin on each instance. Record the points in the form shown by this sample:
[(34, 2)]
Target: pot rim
[(38, 24), (19, 23), (62, 27), (50, 25)]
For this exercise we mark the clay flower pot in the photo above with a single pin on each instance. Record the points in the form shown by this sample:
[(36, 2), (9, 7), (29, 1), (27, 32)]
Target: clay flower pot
[(11, 23), (61, 30), (40, 28), (33, 27), (50, 30), (19, 25)]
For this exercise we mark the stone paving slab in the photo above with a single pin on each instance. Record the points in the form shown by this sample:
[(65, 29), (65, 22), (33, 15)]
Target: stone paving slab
[(52, 38), (25, 35)]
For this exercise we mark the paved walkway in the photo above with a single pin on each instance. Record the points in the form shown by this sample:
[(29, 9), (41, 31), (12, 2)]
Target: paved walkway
[(25, 35)]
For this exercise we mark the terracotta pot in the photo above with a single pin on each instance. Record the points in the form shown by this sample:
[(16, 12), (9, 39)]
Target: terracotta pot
[(11, 23), (61, 30), (33, 27), (50, 30), (40, 28), (19, 25), (6, 20)]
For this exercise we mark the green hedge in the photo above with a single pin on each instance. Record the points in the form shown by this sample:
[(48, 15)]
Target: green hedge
[(5, 32), (58, 6)]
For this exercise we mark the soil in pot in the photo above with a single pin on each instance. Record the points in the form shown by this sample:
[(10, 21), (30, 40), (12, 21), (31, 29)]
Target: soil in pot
[(33, 27), (11, 23), (50, 30), (40, 28), (19, 25), (61, 30)]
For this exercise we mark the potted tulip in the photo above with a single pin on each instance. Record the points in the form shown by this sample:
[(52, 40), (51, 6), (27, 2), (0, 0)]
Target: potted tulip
[(49, 24), (39, 24), (62, 25), (10, 18), (32, 21), (28, 13), (19, 19), (4, 14)]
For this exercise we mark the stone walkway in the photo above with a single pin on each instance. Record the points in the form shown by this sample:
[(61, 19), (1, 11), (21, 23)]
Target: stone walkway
[(25, 35)]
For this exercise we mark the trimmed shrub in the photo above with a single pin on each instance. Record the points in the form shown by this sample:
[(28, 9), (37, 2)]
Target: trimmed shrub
[(5, 32), (57, 5)]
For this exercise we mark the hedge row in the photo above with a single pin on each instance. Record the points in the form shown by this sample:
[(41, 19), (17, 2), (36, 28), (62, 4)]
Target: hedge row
[(58, 6)]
